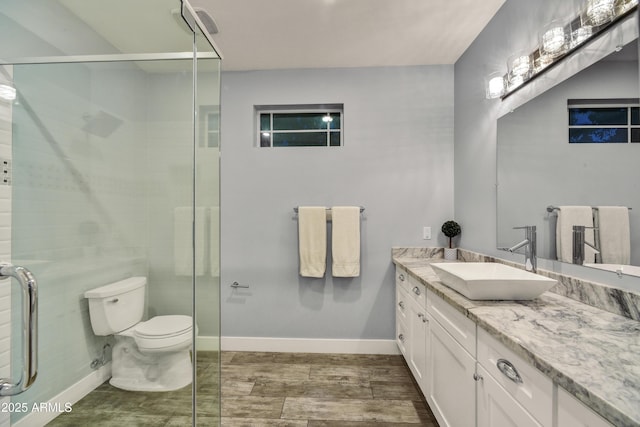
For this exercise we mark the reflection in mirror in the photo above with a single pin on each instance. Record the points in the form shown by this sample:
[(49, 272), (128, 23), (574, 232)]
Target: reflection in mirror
[(538, 167)]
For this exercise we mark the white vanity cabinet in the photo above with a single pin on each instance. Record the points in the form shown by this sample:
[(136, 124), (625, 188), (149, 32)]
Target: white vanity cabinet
[(511, 392), (411, 324), (573, 413), (469, 377), (451, 364)]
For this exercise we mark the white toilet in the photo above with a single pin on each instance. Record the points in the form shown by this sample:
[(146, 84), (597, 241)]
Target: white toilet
[(147, 356)]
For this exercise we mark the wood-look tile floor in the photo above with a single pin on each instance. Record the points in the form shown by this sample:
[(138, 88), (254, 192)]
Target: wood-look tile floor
[(270, 389), (320, 390)]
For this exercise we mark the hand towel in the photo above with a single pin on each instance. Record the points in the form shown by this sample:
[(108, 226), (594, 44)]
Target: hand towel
[(345, 241), (615, 236), (312, 240), (214, 241), (183, 233), (568, 216)]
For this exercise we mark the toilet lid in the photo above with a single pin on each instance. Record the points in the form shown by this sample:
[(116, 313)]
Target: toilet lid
[(162, 326)]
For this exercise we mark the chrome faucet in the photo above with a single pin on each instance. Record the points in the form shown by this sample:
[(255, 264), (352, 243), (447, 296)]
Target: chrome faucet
[(529, 243)]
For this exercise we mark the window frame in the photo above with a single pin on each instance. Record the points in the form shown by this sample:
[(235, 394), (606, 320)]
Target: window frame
[(332, 109), (622, 103)]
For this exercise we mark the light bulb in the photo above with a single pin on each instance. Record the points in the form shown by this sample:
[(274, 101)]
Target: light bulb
[(600, 11), (495, 86), (553, 41)]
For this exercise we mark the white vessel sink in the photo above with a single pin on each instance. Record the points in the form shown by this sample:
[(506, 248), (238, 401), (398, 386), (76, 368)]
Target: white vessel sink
[(492, 281)]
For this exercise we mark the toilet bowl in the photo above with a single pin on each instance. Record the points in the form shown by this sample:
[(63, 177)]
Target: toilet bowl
[(151, 355)]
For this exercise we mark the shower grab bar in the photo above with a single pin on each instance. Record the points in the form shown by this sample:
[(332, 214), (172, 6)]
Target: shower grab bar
[(29, 287)]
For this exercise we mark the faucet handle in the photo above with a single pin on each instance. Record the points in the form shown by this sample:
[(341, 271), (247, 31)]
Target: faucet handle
[(526, 227)]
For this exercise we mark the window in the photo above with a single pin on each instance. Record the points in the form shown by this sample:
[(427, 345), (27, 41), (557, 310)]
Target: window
[(299, 126), (603, 121)]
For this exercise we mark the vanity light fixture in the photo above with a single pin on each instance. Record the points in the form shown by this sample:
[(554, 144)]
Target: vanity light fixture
[(7, 92), (556, 41)]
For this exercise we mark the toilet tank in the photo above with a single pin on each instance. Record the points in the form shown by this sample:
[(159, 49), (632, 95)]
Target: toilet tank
[(116, 306)]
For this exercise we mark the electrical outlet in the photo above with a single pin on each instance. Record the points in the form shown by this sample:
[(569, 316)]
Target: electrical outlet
[(426, 233)]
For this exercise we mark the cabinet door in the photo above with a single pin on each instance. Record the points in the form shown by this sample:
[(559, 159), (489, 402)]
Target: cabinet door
[(417, 349), (496, 407), (573, 413), (451, 388)]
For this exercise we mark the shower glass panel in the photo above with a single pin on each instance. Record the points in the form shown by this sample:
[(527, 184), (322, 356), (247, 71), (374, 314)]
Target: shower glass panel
[(110, 154)]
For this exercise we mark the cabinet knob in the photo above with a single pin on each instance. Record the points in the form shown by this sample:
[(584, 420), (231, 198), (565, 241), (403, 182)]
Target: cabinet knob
[(477, 377), (423, 317), (416, 290), (401, 337), (509, 370), (401, 277), (401, 304)]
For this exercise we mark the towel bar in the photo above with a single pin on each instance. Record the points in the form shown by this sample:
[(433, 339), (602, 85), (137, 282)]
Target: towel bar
[(296, 209), (552, 208)]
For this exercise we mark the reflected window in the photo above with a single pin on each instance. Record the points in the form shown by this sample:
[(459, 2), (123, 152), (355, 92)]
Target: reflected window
[(299, 126), (604, 121)]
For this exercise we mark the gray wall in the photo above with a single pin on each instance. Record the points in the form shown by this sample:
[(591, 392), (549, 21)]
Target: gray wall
[(397, 162)]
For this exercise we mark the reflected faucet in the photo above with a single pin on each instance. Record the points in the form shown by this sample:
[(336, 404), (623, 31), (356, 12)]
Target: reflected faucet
[(579, 242), (529, 243)]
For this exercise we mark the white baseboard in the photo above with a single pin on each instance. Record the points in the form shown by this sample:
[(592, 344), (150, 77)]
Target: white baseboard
[(309, 345), (207, 343), (65, 399)]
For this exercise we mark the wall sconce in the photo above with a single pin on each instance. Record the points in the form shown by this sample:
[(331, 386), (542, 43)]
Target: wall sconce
[(7, 92), (556, 41)]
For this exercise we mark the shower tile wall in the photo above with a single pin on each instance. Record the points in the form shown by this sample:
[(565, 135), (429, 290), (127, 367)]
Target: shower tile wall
[(5, 246)]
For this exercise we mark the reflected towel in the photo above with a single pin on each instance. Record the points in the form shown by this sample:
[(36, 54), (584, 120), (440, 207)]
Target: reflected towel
[(568, 216), (183, 255), (345, 241), (214, 241), (312, 240), (615, 236)]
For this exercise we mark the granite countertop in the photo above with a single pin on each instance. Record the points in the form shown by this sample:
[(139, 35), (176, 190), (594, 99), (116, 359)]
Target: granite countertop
[(591, 353)]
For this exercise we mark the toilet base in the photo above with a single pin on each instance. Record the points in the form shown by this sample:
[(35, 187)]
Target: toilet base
[(135, 371)]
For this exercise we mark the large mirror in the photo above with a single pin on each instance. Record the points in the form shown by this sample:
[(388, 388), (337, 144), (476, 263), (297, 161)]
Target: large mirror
[(539, 170)]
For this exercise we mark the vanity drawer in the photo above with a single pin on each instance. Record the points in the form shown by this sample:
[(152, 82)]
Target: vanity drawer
[(411, 286), (528, 386), (402, 303), (402, 336), (460, 327)]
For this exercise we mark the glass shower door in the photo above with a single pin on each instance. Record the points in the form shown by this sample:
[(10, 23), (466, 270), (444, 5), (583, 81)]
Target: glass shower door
[(103, 156)]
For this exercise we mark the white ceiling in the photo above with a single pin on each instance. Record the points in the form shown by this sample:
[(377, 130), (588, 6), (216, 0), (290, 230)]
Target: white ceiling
[(279, 34)]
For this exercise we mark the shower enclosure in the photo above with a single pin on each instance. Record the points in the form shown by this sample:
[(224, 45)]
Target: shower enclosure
[(109, 116)]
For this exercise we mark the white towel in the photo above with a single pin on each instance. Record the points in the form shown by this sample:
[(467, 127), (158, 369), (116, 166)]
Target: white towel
[(345, 241), (615, 236), (183, 255), (312, 240), (568, 216), (214, 241)]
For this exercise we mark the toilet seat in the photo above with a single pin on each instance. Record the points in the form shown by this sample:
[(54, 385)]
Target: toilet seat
[(164, 326), (163, 333)]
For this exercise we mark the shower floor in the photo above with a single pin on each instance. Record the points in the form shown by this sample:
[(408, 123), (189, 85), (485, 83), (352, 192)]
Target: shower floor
[(271, 389)]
